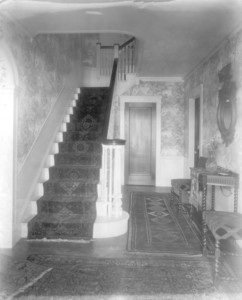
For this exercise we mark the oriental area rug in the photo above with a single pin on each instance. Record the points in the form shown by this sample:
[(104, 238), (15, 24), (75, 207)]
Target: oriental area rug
[(155, 227), (123, 279), (18, 275)]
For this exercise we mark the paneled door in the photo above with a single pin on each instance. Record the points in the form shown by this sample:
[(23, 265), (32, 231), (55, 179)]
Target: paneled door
[(140, 127)]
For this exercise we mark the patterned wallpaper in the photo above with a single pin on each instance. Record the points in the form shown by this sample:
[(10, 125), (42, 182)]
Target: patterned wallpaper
[(207, 73), (43, 64), (172, 112), (89, 49)]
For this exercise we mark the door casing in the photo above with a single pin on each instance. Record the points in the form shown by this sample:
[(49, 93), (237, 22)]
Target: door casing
[(196, 93), (144, 99)]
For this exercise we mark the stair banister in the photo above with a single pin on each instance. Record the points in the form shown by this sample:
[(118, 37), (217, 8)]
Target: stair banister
[(109, 202)]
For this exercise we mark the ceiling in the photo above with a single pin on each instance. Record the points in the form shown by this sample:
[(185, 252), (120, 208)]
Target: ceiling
[(173, 35)]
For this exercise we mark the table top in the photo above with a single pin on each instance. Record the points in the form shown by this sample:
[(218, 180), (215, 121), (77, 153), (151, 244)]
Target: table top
[(220, 177)]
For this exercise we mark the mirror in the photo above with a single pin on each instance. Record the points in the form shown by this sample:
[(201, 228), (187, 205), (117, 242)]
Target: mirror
[(226, 113)]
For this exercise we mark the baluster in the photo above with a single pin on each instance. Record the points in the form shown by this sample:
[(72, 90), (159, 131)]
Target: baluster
[(125, 62), (101, 62), (98, 60), (130, 57), (121, 63), (105, 62), (133, 49)]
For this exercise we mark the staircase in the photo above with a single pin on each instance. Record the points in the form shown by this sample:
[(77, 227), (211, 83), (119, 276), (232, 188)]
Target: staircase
[(67, 209)]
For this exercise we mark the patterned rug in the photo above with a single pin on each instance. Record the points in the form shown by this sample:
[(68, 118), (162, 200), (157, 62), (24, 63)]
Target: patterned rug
[(155, 227), (81, 278), (16, 276), (67, 209)]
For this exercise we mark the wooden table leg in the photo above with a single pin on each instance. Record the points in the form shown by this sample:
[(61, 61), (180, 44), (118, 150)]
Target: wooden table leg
[(213, 197), (216, 263), (204, 226), (236, 195)]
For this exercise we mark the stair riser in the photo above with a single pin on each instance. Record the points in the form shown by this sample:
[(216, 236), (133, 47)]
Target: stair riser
[(60, 231), (68, 189), (81, 147), (74, 173), (71, 159), (82, 208), (80, 136), (79, 126)]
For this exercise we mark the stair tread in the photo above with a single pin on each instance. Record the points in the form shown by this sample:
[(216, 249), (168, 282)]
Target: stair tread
[(76, 165), (59, 198), (65, 180), (63, 218), (94, 155), (81, 142)]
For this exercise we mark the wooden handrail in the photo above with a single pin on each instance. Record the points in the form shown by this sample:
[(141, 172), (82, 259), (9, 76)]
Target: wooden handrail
[(126, 43), (110, 97), (106, 47)]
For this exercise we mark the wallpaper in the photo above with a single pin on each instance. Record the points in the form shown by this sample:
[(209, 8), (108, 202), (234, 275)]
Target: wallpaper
[(207, 73), (172, 112), (43, 63), (89, 49)]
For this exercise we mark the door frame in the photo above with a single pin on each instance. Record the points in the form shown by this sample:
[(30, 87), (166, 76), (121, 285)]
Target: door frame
[(196, 93), (144, 99)]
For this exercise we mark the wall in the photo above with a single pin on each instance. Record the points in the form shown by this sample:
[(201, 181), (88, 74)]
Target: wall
[(230, 51), (49, 71), (171, 96)]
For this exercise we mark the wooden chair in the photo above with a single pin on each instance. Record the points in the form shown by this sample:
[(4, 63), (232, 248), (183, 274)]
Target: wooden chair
[(223, 225)]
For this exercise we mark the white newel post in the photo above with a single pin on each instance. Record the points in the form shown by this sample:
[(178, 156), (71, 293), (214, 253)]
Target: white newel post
[(109, 192), (111, 219)]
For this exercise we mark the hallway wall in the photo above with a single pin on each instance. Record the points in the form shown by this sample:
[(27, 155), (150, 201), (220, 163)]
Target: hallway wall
[(206, 73), (49, 71), (171, 94)]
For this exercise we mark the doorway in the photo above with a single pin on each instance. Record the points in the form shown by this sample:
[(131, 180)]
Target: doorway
[(140, 132)]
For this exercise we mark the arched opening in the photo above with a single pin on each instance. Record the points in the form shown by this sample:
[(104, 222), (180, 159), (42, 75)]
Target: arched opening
[(8, 83)]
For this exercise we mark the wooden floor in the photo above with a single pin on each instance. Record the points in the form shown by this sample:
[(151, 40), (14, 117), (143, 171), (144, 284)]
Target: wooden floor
[(108, 248), (98, 248)]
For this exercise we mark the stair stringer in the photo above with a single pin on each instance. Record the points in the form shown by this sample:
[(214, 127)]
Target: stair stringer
[(49, 162)]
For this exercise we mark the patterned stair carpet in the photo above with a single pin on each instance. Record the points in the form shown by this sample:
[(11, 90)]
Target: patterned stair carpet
[(155, 227), (68, 208), (129, 278)]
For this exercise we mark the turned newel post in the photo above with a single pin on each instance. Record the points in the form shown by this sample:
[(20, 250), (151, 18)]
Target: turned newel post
[(110, 193)]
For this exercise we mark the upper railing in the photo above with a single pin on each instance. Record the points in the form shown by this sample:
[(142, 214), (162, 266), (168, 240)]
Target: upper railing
[(126, 56)]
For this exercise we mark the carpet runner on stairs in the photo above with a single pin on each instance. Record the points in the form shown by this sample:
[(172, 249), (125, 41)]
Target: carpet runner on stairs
[(67, 209)]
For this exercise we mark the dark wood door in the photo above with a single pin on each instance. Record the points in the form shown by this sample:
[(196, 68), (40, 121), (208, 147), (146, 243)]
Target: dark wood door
[(140, 123), (197, 132)]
